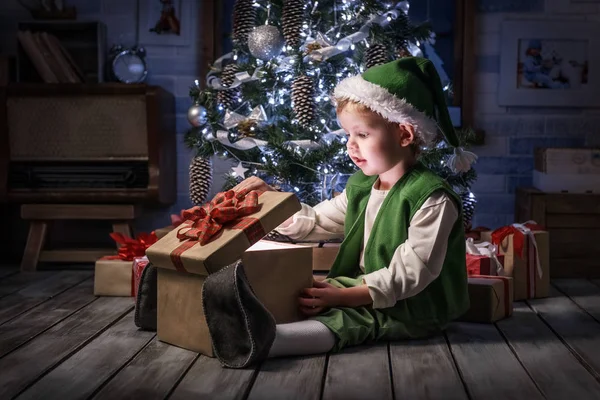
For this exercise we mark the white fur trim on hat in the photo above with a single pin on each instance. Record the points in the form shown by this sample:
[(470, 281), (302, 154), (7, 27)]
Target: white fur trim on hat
[(391, 107)]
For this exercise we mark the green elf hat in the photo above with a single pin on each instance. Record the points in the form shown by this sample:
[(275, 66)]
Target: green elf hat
[(408, 91)]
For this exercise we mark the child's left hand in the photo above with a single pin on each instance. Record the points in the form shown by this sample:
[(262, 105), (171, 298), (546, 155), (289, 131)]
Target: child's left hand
[(320, 297)]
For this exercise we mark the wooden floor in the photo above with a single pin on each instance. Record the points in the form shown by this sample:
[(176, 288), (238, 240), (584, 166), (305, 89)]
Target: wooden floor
[(58, 341)]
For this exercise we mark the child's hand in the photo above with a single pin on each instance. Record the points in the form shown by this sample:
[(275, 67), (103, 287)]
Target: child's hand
[(318, 298), (253, 183)]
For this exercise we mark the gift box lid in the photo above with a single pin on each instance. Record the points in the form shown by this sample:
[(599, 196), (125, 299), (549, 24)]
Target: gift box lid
[(174, 251)]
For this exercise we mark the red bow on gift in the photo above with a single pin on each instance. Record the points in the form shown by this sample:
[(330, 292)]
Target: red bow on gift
[(208, 220), (519, 237), (132, 248)]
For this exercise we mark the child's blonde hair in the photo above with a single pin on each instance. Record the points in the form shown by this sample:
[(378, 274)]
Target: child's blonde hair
[(340, 104)]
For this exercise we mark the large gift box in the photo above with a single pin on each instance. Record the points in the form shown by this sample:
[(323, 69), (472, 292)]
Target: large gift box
[(526, 258), (482, 259), (491, 298), (218, 234), (323, 254), (114, 275)]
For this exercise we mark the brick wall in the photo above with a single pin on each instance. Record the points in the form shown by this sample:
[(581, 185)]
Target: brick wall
[(513, 132)]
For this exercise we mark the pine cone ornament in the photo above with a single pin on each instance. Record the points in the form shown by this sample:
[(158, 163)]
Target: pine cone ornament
[(200, 180), (292, 18), (244, 20), (376, 55), (228, 98), (468, 203), (303, 96)]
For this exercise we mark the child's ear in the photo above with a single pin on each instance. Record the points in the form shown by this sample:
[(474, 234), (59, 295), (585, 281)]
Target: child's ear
[(405, 134)]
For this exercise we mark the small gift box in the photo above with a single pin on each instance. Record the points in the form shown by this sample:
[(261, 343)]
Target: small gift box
[(491, 298), (139, 263), (176, 220), (113, 275), (482, 259), (526, 257), (218, 234)]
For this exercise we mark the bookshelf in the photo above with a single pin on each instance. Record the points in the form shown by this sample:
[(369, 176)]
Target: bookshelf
[(81, 44)]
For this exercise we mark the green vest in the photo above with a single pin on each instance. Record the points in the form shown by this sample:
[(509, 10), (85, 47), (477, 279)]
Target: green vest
[(444, 299)]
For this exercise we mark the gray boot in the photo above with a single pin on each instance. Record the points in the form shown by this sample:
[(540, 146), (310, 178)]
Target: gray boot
[(241, 328), (146, 300)]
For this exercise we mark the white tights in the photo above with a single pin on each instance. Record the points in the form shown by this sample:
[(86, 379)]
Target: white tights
[(302, 338)]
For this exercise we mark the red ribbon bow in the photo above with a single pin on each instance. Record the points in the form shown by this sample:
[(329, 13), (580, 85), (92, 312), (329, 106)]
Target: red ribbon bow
[(203, 223), (519, 237), (132, 248)]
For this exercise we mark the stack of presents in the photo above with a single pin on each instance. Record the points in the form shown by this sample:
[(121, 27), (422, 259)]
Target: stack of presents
[(510, 263)]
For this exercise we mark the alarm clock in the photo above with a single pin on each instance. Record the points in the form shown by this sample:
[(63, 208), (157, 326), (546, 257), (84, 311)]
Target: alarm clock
[(128, 65)]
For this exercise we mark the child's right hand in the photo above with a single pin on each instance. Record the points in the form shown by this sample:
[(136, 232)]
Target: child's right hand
[(254, 183)]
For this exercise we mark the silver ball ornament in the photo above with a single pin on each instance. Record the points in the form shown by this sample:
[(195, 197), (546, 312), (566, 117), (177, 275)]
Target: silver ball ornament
[(265, 42), (197, 115)]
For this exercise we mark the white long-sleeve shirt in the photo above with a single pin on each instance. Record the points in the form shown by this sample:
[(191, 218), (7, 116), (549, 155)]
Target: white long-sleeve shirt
[(415, 263)]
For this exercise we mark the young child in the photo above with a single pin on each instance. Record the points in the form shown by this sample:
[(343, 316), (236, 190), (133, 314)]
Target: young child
[(400, 272)]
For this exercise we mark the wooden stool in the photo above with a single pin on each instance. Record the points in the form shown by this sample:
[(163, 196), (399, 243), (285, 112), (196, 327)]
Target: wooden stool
[(41, 215)]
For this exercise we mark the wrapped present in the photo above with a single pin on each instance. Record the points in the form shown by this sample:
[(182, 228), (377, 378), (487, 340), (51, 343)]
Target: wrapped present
[(113, 275), (176, 220), (475, 233), (491, 298), (526, 257), (219, 233), (324, 254), (482, 259), (139, 263)]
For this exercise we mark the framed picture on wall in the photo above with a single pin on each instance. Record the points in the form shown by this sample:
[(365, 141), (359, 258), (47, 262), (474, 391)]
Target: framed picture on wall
[(549, 63), (166, 23)]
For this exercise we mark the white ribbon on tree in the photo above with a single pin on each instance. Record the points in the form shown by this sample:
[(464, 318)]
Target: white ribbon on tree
[(344, 43), (215, 82), (232, 119), (486, 249)]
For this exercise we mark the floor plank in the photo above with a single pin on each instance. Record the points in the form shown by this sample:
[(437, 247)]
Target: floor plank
[(289, 378), (18, 281), (487, 365), (583, 292), (577, 328), (35, 321), (151, 374), (207, 380), (38, 292), (414, 359), (537, 347), (85, 371), (8, 271), (24, 365), (360, 372)]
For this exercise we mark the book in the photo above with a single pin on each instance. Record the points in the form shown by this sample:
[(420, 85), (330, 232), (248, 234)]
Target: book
[(35, 54)]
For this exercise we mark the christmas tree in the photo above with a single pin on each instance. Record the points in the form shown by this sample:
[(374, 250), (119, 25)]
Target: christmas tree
[(267, 103)]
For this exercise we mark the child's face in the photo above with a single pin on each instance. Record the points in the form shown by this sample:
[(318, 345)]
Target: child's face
[(372, 143)]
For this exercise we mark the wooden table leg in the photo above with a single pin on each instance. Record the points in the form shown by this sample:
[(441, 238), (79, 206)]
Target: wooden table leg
[(35, 244)]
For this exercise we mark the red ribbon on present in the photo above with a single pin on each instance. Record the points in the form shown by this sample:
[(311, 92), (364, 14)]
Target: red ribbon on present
[(519, 244), (506, 287), (202, 224), (132, 248), (500, 234)]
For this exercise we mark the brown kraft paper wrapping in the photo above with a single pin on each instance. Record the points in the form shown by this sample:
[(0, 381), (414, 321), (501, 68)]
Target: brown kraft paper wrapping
[(491, 298), (528, 283)]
